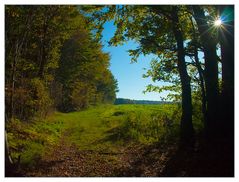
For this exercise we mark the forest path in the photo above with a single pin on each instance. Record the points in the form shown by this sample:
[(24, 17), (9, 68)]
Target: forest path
[(66, 160), (95, 143), (91, 146)]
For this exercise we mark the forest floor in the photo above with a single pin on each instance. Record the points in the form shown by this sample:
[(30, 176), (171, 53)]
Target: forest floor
[(136, 160), (132, 161)]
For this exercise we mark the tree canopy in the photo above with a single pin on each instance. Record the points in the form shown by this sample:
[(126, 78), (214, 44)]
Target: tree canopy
[(53, 60)]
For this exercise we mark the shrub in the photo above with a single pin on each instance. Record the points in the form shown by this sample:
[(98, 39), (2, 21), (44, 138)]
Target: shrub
[(41, 101)]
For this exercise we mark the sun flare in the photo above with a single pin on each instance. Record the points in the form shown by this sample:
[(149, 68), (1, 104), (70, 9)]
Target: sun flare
[(218, 22)]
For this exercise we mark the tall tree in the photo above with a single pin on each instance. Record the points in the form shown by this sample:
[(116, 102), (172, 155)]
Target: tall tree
[(186, 120), (226, 39), (211, 69)]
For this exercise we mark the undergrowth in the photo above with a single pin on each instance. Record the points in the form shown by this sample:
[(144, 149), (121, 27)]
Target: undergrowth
[(30, 141)]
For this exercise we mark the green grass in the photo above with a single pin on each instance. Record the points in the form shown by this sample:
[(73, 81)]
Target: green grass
[(110, 127), (106, 128), (32, 140)]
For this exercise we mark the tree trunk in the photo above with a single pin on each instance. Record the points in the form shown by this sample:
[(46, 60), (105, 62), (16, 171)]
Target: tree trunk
[(227, 98), (12, 80), (187, 131), (200, 72), (8, 159), (211, 70), (226, 38), (43, 50)]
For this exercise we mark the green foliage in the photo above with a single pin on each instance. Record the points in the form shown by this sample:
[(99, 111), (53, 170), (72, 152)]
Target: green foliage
[(84, 73), (53, 61), (82, 94), (34, 36), (40, 101), (31, 141), (31, 99)]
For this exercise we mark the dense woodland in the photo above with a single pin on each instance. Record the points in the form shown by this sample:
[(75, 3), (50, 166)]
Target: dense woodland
[(54, 61)]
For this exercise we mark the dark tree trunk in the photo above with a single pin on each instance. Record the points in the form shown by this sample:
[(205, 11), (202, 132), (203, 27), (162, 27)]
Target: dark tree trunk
[(200, 72), (8, 159), (226, 38), (227, 96), (43, 50), (211, 70), (187, 131), (201, 79), (12, 81)]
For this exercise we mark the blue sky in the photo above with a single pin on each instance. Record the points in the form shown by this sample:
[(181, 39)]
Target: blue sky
[(129, 75)]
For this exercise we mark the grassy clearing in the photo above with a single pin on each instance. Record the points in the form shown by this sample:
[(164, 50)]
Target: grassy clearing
[(107, 128)]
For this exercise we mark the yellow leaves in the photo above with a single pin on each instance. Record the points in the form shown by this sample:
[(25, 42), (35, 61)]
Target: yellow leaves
[(34, 45), (14, 14)]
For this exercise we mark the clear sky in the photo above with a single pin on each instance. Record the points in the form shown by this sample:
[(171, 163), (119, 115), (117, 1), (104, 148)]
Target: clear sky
[(129, 75)]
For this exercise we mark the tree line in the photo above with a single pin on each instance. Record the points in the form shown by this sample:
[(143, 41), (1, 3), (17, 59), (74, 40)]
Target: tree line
[(53, 61), (131, 101), (178, 34)]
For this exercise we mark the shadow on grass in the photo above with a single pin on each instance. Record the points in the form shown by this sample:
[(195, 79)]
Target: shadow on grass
[(116, 134)]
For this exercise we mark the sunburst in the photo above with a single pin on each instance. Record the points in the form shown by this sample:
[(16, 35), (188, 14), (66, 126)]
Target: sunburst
[(218, 22)]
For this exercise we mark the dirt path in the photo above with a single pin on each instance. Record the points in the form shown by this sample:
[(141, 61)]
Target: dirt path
[(67, 161)]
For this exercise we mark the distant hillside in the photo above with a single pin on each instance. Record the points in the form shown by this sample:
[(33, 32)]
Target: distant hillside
[(129, 101)]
